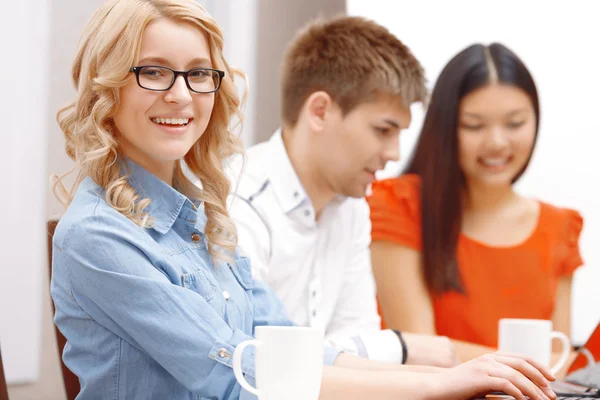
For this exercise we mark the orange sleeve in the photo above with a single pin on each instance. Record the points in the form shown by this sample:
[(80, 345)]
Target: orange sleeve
[(570, 258), (395, 215)]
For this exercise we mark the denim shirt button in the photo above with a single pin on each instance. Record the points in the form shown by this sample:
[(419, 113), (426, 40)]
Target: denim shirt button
[(223, 353), (195, 238)]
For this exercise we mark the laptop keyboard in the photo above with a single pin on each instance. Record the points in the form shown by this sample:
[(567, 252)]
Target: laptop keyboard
[(574, 398)]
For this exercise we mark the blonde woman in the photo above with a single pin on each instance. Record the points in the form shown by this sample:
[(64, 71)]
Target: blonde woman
[(149, 289)]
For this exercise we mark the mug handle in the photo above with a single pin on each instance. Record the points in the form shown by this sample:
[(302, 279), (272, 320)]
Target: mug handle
[(237, 365), (589, 356), (566, 349)]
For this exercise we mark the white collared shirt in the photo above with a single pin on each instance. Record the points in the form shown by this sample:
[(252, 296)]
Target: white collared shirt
[(321, 270)]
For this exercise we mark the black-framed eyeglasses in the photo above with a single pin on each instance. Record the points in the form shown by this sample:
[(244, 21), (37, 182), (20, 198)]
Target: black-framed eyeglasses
[(158, 78)]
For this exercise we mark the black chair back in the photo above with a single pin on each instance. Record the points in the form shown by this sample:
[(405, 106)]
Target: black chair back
[(3, 388)]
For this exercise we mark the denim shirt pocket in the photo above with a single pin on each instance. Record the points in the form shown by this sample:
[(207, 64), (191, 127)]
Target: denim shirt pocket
[(242, 270), (198, 282)]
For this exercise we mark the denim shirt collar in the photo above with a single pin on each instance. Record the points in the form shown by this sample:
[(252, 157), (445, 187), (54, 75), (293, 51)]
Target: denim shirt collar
[(167, 203)]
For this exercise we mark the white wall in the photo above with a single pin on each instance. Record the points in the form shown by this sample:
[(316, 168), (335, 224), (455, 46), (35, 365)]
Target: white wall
[(67, 19), (558, 41), (24, 81), (238, 21), (278, 23)]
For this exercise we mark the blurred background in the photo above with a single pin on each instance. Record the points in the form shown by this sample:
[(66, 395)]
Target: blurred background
[(557, 41)]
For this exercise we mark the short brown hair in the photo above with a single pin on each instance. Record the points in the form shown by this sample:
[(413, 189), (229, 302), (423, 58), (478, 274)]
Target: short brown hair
[(352, 59)]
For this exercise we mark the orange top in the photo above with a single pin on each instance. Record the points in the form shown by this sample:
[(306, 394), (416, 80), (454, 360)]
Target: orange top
[(499, 282)]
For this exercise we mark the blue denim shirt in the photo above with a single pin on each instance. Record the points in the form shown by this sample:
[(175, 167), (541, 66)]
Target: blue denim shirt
[(145, 312)]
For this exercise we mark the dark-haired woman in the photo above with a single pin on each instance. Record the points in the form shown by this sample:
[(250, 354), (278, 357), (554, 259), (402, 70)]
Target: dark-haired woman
[(455, 246)]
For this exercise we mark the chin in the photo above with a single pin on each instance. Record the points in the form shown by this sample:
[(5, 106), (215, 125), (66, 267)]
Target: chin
[(355, 192), (173, 153), (499, 180)]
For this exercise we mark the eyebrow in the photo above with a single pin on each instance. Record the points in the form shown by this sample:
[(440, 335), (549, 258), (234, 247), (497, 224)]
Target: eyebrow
[(509, 114), (391, 122), (199, 61)]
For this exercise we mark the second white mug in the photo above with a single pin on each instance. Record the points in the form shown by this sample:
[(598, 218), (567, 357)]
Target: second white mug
[(533, 338)]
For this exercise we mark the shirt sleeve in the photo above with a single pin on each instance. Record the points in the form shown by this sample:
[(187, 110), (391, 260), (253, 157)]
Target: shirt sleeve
[(356, 325), (570, 256), (395, 211), (115, 283)]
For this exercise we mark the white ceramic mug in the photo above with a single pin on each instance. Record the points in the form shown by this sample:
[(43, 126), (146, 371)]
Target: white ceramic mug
[(288, 363), (533, 338)]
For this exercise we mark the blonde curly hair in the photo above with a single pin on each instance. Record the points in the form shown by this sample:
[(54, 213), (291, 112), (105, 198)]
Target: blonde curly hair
[(109, 46)]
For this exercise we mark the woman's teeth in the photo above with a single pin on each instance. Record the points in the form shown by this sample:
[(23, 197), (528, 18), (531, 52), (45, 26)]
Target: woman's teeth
[(171, 121), (494, 162)]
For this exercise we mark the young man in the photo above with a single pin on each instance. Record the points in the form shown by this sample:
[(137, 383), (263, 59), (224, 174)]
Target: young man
[(347, 87)]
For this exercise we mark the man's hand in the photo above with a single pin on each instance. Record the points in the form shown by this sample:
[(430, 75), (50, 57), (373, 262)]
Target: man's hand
[(430, 350)]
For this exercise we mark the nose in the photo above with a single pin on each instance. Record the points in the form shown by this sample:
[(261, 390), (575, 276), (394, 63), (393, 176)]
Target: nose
[(391, 149), (179, 92), (496, 138)]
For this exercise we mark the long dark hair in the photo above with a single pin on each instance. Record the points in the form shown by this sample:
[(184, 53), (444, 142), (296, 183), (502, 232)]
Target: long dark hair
[(435, 158)]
